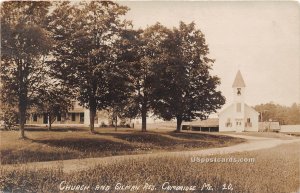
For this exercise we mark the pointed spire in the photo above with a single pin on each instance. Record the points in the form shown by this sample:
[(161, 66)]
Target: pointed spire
[(238, 81)]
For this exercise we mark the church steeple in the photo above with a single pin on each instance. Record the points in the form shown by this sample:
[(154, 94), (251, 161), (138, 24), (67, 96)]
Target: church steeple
[(239, 87), (238, 81)]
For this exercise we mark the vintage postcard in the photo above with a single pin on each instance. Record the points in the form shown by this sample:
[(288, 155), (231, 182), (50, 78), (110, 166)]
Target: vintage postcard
[(150, 96)]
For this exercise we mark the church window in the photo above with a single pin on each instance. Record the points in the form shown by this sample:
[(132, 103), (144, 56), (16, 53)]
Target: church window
[(238, 107), (228, 123), (248, 123), (239, 91)]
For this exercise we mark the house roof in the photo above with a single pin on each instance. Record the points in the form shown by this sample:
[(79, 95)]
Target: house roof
[(238, 81)]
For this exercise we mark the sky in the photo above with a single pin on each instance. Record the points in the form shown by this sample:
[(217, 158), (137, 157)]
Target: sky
[(261, 39)]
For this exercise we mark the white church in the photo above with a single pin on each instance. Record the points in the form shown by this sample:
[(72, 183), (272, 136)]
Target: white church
[(238, 116)]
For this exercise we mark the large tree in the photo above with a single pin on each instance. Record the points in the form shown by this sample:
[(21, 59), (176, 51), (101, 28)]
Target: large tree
[(24, 45), (119, 77), (144, 56), (184, 87), (86, 34)]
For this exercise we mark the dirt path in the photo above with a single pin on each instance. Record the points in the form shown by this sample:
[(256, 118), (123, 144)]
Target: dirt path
[(253, 143)]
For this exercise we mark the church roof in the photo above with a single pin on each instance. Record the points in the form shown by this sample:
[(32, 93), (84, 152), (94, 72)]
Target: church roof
[(238, 81)]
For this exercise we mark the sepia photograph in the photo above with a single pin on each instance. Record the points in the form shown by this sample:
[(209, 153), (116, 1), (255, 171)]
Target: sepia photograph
[(153, 96)]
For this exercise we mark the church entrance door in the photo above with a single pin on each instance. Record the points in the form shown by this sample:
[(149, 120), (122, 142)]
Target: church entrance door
[(239, 125)]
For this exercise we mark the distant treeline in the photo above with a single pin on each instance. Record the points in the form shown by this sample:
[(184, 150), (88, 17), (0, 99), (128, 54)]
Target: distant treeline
[(283, 114)]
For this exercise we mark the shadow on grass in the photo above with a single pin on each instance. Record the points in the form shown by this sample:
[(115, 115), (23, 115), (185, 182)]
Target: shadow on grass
[(153, 140), (87, 145)]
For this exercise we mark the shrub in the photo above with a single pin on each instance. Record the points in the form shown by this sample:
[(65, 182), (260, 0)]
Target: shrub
[(10, 118)]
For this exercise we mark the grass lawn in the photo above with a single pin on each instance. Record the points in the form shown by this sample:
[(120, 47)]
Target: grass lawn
[(62, 144), (274, 170)]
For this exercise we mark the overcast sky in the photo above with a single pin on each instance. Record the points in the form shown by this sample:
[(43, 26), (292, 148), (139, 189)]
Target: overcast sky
[(259, 38)]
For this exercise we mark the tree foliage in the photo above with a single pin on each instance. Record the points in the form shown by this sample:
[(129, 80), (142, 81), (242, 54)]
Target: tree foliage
[(24, 46), (86, 35), (283, 114), (184, 87), (145, 54), (10, 117)]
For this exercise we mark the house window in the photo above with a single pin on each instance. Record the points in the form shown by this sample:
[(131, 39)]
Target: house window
[(239, 91), (73, 117), (58, 117), (238, 107), (81, 117), (34, 117), (248, 120)]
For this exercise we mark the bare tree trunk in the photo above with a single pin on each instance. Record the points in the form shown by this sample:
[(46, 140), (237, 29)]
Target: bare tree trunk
[(116, 124), (22, 99), (22, 123), (92, 120), (22, 116), (49, 121), (144, 117), (179, 121)]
